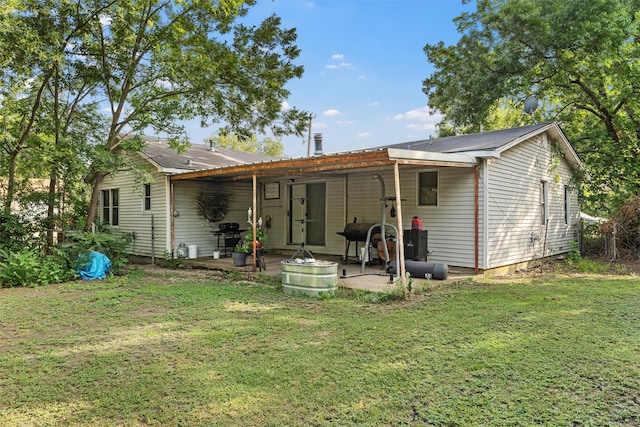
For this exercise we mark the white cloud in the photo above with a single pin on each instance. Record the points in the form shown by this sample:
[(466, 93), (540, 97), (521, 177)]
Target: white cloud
[(105, 20), (421, 114), (319, 125), (373, 104), (362, 77), (284, 106), (339, 66), (421, 119), (165, 84), (364, 135), (344, 122), (337, 56), (421, 127), (331, 112)]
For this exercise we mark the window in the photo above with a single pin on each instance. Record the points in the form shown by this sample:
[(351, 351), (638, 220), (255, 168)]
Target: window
[(428, 188), (544, 202), (110, 206), (146, 197), (567, 204)]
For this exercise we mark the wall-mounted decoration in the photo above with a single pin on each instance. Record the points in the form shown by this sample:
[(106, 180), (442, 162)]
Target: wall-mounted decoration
[(271, 190), (213, 205)]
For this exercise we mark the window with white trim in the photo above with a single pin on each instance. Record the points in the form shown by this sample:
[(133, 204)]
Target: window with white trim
[(146, 197), (110, 206), (544, 202), (567, 204), (428, 188)]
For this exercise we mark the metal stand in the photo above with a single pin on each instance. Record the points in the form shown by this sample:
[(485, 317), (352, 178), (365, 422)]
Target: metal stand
[(383, 227), (302, 250)]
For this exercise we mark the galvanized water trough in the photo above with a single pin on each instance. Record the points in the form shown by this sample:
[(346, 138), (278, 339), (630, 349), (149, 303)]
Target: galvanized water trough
[(313, 278)]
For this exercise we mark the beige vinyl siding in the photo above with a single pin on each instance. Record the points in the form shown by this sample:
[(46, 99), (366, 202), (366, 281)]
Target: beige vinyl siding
[(450, 225), (516, 232), (279, 211), (132, 217), (191, 228)]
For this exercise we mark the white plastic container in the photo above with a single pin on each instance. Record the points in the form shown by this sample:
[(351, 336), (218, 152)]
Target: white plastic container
[(193, 251)]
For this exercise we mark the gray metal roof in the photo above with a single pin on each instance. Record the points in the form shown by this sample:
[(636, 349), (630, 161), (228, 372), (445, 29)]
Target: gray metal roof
[(485, 141), (198, 156)]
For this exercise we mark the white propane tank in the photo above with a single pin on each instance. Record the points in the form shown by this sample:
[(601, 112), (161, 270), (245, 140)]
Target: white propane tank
[(182, 251)]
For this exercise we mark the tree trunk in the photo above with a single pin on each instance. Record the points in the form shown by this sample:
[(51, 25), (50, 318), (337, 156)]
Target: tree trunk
[(95, 198), (51, 210), (11, 183)]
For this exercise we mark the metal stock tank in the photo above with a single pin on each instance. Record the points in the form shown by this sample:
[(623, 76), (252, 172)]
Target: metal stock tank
[(313, 278)]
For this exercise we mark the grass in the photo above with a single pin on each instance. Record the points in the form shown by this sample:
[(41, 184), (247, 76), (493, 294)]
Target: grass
[(154, 348)]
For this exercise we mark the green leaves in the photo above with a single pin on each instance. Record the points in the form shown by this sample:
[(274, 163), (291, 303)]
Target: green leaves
[(581, 59)]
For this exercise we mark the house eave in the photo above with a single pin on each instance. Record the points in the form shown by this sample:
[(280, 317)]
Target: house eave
[(433, 159), (332, 162), (569, 153)]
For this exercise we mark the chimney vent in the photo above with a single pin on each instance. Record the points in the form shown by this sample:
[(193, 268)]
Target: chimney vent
[(317, 138)]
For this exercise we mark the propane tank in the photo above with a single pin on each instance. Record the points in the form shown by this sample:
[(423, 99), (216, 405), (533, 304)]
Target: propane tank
[(182, 251), (416, 223)]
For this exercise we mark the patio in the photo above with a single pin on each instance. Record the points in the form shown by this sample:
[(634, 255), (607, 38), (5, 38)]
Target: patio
[(350, 275)]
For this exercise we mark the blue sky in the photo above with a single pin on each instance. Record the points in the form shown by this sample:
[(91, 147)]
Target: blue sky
[(364, 66)]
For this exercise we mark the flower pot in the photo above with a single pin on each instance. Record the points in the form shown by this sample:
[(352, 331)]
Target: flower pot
[(239, 258)]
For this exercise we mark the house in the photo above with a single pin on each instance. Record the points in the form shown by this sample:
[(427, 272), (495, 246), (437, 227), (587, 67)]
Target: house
[(490, 201)]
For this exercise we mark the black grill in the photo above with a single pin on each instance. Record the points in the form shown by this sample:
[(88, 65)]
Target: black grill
[(229, 227), (357, 232)]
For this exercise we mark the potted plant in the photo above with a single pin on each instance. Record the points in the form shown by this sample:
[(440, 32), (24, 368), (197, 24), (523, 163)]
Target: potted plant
[(240, 253), (261, 237)]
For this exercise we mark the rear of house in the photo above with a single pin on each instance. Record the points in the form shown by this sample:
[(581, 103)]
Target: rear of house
[(487, 201)]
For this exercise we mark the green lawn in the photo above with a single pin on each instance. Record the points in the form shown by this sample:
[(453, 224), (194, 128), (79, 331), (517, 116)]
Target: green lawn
[(159, 349)]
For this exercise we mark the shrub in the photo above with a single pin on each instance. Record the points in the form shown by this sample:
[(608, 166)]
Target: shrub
[(168, 261), (113, 245), (16, 232), (28, 268)]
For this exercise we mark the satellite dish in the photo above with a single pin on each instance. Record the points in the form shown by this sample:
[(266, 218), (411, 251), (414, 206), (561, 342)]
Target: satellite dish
[(530, 105)]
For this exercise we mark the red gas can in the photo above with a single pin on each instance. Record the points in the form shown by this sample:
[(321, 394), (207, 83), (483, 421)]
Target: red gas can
[(416, 223)]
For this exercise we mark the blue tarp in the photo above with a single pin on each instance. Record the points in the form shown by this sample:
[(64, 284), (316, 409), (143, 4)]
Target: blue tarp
[(97, 266)]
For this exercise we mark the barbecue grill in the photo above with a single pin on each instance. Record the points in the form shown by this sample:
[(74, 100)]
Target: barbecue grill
[(229, 227), (357, 232), (230, 234)]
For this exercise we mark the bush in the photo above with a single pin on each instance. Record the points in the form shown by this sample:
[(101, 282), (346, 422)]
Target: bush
[(28, 268), (16, 232), (628, 229), (113, 245)]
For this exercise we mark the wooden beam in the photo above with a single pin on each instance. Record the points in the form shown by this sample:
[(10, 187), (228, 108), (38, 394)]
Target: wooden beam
[(254, 222), (400, 239), (311, 164)]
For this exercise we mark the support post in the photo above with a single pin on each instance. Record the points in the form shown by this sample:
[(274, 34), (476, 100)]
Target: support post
[(254, 222), (400, 242), (477, 218)]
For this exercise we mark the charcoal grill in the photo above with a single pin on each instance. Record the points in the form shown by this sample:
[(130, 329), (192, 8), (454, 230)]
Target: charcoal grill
[(229, 233), (357, 232)]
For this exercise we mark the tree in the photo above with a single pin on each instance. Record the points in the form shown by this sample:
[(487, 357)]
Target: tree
[(251, 144), (152, 64), (160, 62), (581, 59), (47, 119)]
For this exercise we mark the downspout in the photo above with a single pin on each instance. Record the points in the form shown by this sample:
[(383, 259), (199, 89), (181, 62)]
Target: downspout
[(477, 218), (400, 237)]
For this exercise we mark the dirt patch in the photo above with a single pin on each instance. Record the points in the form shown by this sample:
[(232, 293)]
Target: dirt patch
[(179, 275)]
